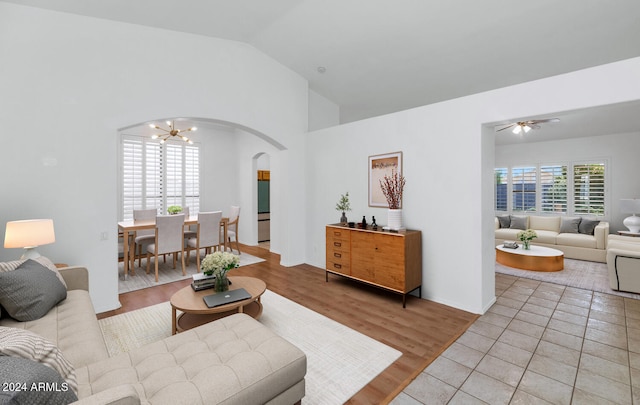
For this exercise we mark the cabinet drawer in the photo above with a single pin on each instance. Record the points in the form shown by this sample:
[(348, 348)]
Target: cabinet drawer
[(338, 245), (339, 267), (338, 256), (337, 233)]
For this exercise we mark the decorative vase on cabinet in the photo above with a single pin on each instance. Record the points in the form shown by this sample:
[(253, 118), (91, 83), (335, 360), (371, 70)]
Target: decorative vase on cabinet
[(343, 219), (394, 219)]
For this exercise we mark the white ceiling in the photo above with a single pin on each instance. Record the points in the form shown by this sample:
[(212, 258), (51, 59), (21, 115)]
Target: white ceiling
[(384, 56)]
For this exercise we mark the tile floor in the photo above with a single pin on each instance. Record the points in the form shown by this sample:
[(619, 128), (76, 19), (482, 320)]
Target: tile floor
[(540, 343)]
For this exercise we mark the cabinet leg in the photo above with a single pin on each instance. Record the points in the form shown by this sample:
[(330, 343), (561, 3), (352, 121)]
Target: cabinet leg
[(404, 300), (326, 276)]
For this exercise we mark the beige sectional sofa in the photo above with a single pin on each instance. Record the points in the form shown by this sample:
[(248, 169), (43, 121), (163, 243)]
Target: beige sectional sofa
[(235, 360), (558, 232), (623, 262)]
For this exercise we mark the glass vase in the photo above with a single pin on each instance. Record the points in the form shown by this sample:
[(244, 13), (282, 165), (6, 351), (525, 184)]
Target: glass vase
[(221, 284), (525, 244)]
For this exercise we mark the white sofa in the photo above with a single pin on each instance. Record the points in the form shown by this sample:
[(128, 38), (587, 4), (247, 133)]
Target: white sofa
[(623, 262), (234, 360), (574, 245)]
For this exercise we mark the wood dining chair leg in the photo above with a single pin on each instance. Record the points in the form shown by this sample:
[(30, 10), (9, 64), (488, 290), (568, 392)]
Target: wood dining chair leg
[(156, 260), (148, 262), (184, 272)]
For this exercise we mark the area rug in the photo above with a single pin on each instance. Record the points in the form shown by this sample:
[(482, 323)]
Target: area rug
[(592, 276), (166, 273), (340, 360)]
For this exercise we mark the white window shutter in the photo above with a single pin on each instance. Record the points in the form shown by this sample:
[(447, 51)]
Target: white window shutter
[(158, 175)]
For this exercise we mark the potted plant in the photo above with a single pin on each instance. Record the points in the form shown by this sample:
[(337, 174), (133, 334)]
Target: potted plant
[(218, 264), (343, 205), (392, 188), (174, 209)]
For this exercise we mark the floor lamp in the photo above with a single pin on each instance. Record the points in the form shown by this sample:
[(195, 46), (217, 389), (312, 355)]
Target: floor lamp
[(631, 206), (29, 234)]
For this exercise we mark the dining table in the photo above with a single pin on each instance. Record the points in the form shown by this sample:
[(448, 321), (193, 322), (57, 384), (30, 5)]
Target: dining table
[(130, 227)]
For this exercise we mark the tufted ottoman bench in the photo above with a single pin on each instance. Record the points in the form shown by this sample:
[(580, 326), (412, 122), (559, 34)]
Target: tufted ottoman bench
[(234, 360)]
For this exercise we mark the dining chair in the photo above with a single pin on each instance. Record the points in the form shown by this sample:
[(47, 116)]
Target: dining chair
[(191, 231), (144, 236), (232, 226), (207, 235), (168, 238)]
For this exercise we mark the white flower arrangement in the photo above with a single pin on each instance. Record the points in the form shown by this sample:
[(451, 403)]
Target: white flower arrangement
[(527, 236), (219, 263)]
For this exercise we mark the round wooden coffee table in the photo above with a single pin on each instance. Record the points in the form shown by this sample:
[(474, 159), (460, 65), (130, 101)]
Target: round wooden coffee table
[(538, 258), (195, 312)]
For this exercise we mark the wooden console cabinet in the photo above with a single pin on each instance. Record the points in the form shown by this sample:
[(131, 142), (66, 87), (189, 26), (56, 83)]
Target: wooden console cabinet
[(389, 260)]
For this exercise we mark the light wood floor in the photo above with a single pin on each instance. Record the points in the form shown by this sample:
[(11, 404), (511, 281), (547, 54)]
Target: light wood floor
[(421, 331)]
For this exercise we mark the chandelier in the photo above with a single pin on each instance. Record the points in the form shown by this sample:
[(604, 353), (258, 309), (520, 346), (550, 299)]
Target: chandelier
[(171, 132)]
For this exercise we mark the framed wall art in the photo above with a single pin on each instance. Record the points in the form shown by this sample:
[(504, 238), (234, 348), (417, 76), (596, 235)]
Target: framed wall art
[(379, 166)]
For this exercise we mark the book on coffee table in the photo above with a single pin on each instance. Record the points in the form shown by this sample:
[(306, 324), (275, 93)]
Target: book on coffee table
[(201, 277), (202, 281)]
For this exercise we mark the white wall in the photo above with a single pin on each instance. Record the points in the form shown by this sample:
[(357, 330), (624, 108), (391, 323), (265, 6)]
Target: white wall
[(448, 164), (620, 150), (323, 113), (69, 82)]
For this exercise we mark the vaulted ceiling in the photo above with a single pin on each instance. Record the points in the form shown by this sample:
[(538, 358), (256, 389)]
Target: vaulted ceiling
[(373, 57)]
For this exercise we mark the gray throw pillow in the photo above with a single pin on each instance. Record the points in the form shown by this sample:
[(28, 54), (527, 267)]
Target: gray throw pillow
[(30, 291), (518, 222), (587, 226), (17, 342), (30, 382), (504, 220), (570, 224)]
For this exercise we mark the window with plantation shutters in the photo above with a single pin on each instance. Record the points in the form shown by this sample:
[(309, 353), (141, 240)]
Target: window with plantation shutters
[(158, 175), (524, 183), (588, 189), (570, 188), (192, 178), (553, 188), (501, 181)]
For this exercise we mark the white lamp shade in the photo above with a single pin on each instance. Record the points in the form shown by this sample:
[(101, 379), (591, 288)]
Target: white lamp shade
[(29, 233), (630, 206)]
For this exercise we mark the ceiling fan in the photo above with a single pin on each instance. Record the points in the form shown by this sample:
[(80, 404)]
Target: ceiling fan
[(526, 126)]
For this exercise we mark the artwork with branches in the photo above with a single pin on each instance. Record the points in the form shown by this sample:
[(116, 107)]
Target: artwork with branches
[(381, 166)]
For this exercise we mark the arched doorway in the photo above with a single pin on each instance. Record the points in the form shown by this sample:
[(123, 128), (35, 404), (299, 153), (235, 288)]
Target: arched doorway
[(263, 164)]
